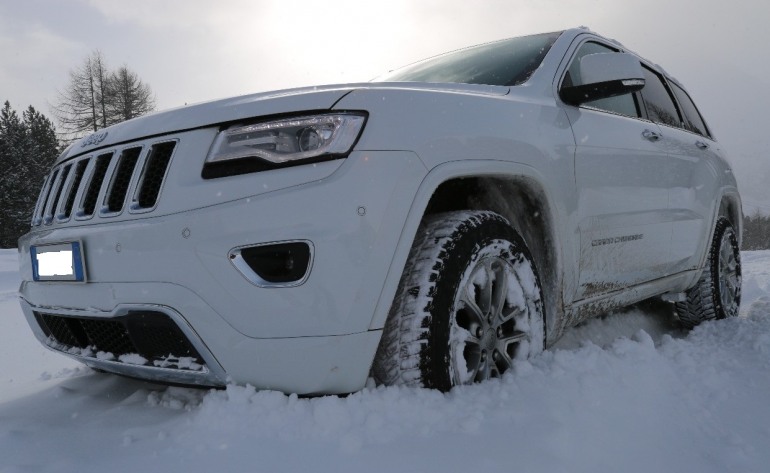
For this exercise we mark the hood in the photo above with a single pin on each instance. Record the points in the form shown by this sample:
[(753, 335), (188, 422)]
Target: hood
[(209, 113), (245, 107)]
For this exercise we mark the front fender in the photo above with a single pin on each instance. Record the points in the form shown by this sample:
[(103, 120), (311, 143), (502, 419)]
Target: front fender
[(520, 173)]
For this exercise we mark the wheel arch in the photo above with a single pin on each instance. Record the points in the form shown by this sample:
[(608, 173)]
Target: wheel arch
[(516, 192), (730, 207)]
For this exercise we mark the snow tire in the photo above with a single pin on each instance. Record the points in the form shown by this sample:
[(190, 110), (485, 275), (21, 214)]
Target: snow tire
[(468, 306), (718, 292)]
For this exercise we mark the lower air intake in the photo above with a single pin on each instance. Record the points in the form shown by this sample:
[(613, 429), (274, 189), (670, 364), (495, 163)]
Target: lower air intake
[(153, 336)]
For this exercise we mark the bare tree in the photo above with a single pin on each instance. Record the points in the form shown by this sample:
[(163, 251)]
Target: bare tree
[(129, 96), (82, 106), (97, 98)]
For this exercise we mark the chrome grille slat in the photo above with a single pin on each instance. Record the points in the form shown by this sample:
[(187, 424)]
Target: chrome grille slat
[(80, 169), (52, 189), (121, 180), (63, 182), (91, 197), (153, 175), (37, 216)]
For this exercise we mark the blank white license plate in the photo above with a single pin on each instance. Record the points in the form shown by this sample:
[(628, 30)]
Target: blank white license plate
[(60, 262)]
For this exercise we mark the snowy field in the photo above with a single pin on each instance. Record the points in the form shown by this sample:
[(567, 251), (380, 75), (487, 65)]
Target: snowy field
[(630, 392)]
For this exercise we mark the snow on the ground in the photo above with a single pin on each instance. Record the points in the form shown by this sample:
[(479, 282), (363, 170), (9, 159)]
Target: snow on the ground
[(625, 393)]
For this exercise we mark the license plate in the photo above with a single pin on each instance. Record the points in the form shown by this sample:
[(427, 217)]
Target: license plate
[(59, 262)]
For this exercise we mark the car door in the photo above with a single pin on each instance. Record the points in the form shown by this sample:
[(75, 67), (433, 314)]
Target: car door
[(624, 230), (693, 180)]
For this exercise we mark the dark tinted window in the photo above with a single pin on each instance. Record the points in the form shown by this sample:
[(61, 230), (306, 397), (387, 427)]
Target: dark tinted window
[(692, 119), (660, 106), (507, 62), (622, 104)]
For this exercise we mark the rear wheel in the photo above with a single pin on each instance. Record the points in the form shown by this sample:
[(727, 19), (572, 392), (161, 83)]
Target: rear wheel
[(469, 304), (718, 292)]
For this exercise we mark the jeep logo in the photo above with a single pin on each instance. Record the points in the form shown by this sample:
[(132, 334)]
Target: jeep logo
[(94, 139)]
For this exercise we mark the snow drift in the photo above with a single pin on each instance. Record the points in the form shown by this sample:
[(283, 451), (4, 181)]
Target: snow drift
[(628, 392)]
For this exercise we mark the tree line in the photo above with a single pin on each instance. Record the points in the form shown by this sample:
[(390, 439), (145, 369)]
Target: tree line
[(95, 97), (28, 148), (756, 232)]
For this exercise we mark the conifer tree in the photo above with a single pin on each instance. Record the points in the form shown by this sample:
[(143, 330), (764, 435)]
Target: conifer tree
[(28, 148)]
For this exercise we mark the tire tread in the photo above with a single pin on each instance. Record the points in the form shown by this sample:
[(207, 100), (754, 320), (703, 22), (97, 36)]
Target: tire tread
[(702, 302), (406, 331)]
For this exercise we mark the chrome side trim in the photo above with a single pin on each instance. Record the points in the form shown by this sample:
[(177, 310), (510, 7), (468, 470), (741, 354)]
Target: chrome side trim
[(152, 373)]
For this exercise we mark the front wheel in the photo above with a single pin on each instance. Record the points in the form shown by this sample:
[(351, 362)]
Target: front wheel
[(469, 304), (718, 292)]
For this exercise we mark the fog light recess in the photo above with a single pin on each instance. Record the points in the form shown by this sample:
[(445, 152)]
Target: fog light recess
[(280, 264)]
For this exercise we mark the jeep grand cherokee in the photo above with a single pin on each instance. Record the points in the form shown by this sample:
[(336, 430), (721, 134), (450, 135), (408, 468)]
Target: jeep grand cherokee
[(428, 228)]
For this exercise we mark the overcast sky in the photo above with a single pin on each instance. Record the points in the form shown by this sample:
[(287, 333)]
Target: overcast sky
[(196, 50)]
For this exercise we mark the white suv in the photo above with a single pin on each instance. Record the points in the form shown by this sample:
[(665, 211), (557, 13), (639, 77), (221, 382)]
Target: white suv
[(426, 229)]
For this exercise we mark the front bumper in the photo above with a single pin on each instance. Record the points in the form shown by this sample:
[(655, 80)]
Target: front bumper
[(313, 338), (304, 365)]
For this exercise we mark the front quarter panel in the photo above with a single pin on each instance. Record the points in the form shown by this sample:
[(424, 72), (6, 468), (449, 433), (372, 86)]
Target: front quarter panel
[(516, 136)]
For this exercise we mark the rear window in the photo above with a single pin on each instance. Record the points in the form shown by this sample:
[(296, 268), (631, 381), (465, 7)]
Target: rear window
[(692, 118), (507, 62)]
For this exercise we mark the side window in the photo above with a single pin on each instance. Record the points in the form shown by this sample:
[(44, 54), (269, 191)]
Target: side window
[(623, 104), (660, 106), (692, 119)]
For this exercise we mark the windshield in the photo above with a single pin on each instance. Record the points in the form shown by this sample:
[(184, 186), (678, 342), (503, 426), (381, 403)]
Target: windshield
[(506, 62)]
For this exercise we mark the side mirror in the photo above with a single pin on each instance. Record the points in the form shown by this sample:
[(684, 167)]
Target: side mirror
[(604, 75)]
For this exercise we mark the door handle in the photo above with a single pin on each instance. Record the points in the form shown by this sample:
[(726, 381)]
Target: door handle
[(651, 135), (702, 145)]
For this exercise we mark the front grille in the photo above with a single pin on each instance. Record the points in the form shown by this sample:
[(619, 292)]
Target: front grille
[(151, 335), (76, 187)]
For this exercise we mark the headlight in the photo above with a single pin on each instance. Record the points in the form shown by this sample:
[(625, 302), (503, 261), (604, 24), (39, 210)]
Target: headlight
[(276, 144)]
